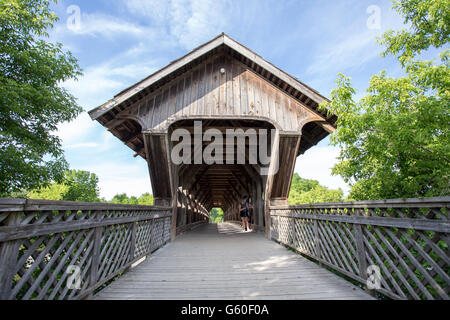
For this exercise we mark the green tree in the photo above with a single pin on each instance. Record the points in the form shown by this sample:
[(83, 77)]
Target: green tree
[(305, 191), (395, 140), (216, 215), (82, 186), (120, 199), (430, 27), (32, 101), (146, 200), (133, 200), (300, 185), (55, 191), (77, 186)]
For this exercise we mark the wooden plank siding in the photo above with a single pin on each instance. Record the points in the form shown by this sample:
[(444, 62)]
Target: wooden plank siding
[(205, 92)]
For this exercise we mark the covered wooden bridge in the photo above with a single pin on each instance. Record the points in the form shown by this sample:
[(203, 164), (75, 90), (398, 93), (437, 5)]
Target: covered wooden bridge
[(223, 86), (214, 125)]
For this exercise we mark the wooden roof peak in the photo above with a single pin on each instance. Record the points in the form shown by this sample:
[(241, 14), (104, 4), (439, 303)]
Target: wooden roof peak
[(223, 40)]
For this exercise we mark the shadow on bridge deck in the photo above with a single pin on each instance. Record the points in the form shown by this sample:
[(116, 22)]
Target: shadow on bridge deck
[(222, 262)]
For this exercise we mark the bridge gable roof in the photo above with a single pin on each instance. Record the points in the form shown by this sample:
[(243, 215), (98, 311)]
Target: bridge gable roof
[(223, 43)]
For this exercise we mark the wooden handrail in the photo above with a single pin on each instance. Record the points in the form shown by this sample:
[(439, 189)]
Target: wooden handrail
[(418, 224), (7, 205), (434, 202)]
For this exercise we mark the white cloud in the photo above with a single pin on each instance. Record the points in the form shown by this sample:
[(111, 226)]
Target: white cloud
[(111, 186), (103, 141), (102, 25), (190, 22), (157, 10), (108, 26), (130, 177), (316, 164), (350, 44), (71, 133), (205, 19), (101, 82), (83, 145), (354, 51), (96, 86)]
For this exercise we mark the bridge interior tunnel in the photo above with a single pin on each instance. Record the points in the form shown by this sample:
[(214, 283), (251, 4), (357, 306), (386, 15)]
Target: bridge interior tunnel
[(194, 189), (224, 85), (229, 170)]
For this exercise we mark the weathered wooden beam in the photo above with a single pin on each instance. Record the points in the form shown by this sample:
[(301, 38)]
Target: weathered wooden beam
[(434, 202), (9, 250), (288, 153), (198, 177), (25, 231), (403, 223), (114, 123), (131, 137), (240, 182), (247, 177), (156, 150)]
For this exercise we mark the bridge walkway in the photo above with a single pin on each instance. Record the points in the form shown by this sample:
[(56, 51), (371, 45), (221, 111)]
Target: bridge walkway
[(222, 262)]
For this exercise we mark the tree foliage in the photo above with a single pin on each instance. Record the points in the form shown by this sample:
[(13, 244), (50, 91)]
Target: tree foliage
[(216, 215), (430, 27), (32, 101), (145, 199), (77, 185), (55, 191), (82, 186), (304, 191), (395, 140)]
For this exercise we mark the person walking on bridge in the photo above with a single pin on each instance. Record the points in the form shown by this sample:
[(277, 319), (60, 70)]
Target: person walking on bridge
[(245, 213)]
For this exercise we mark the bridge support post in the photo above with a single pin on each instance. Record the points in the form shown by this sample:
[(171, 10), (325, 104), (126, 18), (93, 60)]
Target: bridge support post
[(93, 277), (8, 257), (317, 241), (162, 202), (286, 149), (175, 178), (361, 255), (173, 234), (156, 149)]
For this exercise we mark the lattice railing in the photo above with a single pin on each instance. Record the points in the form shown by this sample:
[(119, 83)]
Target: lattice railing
[(66, 250), (406, 241)]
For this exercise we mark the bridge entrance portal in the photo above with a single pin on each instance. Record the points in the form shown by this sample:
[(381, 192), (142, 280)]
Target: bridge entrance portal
[(217, 124)]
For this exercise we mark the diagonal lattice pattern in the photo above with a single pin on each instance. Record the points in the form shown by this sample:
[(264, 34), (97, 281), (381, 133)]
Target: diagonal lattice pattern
[(62, 250), (408, 240)]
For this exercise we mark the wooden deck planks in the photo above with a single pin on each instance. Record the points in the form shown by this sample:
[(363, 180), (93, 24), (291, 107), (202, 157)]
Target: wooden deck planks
[(221, 262)]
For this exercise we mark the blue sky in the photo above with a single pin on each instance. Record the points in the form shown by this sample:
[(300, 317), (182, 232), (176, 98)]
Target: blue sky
[(120, 42)]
